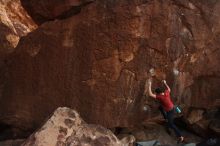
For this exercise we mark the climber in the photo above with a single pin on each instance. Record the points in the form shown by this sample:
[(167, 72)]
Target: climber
[(167, 106)]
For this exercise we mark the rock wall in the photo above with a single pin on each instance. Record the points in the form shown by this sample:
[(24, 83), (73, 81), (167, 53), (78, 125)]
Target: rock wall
[(47, 10), (14, 24), (97, 62)]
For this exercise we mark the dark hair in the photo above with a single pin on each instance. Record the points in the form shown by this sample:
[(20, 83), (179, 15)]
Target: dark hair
[(159, 90)]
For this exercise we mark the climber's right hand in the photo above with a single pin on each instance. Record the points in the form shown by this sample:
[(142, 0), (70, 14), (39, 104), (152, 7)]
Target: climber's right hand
[(164, 81)]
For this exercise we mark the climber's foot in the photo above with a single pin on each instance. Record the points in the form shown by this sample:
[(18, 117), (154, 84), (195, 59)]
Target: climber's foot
[(181, 139), (168, 130)]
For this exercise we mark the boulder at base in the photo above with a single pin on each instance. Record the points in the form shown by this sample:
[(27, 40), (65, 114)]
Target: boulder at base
[(66, 127)]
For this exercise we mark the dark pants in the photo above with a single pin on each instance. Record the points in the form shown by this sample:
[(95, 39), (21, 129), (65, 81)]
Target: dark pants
[(169, 117)]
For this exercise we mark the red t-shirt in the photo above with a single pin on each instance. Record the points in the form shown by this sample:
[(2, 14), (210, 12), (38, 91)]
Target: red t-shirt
[(165, 101)]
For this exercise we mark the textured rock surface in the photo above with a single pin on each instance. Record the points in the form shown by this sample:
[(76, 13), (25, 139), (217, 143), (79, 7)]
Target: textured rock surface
[(46, 10), (66, 127), (14, 23), (204, 123), (195, 116), (98, 60)]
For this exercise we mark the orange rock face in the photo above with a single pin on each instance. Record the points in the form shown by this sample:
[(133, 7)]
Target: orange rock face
[(98, 60), (15, 22)]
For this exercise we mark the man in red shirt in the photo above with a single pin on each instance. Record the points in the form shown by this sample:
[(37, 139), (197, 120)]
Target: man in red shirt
[(168, 107)]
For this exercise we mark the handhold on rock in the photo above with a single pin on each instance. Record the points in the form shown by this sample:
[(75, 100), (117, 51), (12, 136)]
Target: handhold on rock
[(152, 72), (175, 72)]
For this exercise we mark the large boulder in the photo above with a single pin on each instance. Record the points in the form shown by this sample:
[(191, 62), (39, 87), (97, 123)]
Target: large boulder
[(204, 123), (98, 60), (194, 116), (65, 127)]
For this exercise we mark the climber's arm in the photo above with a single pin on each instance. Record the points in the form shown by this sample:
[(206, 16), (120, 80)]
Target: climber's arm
[(149, 89), (165, 83), (146, 88)]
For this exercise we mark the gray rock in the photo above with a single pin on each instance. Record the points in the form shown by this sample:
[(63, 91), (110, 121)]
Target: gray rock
[(66, 128)]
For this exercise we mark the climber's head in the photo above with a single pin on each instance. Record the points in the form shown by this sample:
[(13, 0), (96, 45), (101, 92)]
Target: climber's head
[(159, 91)]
